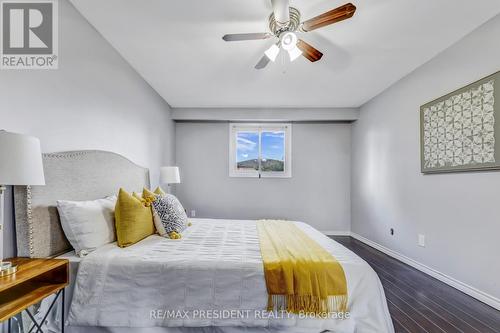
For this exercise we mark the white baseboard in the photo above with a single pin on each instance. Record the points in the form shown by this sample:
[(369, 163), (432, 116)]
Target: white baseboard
[(469, 290), (336, 233)]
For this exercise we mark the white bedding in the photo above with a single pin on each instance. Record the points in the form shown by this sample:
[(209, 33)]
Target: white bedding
[(215, 266)]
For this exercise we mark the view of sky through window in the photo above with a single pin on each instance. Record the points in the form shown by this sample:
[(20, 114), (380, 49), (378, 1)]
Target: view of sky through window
[(272, 150), (247, 150)]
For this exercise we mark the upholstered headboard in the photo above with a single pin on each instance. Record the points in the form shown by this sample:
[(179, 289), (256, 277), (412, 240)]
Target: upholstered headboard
[(73, 175)]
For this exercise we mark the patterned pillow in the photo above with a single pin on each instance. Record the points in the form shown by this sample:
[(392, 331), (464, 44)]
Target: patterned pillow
[(169, 216)]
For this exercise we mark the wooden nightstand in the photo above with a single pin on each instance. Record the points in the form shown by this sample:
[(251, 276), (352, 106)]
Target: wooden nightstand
[(34, 280)]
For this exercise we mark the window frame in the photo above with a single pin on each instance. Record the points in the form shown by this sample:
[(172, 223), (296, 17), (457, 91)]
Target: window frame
[(234, 128)]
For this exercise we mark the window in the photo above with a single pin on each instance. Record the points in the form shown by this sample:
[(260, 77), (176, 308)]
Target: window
[(260, 150)]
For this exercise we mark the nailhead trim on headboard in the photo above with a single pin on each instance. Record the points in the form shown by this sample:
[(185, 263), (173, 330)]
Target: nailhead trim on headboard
[(29, 213), (68, 155)]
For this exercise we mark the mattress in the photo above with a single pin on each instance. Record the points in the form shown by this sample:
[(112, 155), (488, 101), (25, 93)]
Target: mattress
[(216, 266)]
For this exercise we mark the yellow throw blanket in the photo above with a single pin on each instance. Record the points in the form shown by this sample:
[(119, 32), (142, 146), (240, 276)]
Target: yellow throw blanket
[(300, 275)]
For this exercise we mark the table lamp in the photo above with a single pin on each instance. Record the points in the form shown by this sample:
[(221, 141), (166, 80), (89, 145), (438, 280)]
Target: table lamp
[(20, 164), (169, 175)]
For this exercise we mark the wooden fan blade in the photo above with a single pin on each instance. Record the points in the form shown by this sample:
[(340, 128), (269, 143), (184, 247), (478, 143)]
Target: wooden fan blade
[(309, 51), (262, 62), (333, 16), (252, 36)]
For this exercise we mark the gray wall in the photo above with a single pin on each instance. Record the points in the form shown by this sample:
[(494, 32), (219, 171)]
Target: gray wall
[(95, 100), (459, 213), (318, 193)]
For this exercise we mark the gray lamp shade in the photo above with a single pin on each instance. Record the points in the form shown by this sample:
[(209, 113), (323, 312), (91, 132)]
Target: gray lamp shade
[(20, 160), (169, 175)]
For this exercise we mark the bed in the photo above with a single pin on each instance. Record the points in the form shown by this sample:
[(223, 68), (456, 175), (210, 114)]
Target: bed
[(212, 280)]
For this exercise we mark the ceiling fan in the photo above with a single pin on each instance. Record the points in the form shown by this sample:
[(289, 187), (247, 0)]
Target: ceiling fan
[(284, 22)]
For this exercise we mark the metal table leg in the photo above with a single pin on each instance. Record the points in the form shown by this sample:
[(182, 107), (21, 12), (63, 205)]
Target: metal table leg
[(62, 312)]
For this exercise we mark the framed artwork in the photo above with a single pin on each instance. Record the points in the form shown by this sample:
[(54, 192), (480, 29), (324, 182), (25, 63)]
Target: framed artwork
[(458, 132)]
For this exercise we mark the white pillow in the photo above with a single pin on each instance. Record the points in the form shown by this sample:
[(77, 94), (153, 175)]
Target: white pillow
[(88, 224)]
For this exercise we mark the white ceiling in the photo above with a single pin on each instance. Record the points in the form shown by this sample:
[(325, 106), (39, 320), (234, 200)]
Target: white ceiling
[(176, 46)]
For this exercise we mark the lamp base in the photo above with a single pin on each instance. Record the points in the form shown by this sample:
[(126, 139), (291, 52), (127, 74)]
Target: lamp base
[(6, 268)]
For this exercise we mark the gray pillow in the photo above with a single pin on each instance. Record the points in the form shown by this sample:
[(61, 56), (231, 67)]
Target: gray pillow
[(169, 215)]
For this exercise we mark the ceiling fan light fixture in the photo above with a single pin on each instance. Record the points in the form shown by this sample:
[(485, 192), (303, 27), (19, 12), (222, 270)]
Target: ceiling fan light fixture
[(294, 53), (272, 52), (284, 22), (288, 40)]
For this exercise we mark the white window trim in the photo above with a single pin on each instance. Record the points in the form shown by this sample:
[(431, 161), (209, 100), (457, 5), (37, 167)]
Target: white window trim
[(235, 127)]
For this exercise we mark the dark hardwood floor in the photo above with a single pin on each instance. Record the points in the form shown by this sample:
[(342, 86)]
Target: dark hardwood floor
[(419, 302)]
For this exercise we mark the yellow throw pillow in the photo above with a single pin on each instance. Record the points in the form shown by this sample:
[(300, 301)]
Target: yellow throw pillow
[(134, 221), (137, 196), (160, 191), (148, 195)]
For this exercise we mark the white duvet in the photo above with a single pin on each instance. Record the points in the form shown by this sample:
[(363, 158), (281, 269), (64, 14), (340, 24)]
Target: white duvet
[(213, 276)]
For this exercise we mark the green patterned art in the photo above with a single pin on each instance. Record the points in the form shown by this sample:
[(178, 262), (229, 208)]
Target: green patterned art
[(458, 131)]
